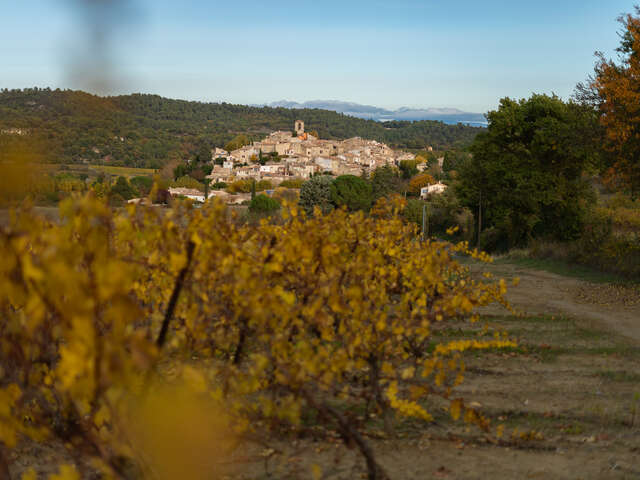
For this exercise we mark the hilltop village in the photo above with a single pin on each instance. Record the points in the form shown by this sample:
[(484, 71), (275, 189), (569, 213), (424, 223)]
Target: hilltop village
[(283, 155)]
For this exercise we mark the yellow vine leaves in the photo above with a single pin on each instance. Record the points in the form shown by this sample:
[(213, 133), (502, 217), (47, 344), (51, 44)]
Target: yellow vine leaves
[(270, 321)]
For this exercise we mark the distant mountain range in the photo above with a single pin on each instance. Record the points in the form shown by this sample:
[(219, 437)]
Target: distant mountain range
[(450, 116)]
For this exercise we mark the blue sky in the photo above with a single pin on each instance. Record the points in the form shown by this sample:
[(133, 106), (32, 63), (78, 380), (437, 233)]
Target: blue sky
[(418, 53)]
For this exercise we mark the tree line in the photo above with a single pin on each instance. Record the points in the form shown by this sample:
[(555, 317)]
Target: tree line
[(148, 130)]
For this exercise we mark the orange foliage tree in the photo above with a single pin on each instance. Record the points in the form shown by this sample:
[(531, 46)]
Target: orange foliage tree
[(615, 88), (419, 181)]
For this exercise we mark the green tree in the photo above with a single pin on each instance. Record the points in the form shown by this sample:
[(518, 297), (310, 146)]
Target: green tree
[(263, 204), (123, 189), (142, 184), (525, 175), (352, 192), (453, 159), (384, 181), (204, 154), (316, 192), (408, 168)]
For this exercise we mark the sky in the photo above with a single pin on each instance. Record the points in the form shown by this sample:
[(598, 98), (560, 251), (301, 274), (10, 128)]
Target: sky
[(417, 53)]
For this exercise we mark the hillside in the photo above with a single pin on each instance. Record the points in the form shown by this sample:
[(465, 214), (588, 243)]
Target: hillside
[(147, 130)]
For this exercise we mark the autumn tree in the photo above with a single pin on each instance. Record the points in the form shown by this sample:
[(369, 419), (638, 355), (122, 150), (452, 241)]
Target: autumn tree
[(615, 90), (419, 181)]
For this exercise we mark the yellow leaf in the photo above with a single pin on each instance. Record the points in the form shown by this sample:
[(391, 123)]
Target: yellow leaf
[(67, 472), (30, 474)]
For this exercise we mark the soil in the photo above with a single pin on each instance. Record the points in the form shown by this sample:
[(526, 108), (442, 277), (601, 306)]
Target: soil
[(612, 307)]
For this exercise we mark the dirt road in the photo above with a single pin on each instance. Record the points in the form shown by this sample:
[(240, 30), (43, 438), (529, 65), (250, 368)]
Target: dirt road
[(611, 307)]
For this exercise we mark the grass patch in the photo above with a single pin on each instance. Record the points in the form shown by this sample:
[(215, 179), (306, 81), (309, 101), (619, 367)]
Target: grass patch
[(565, 269), (619, 376), (123, 171)]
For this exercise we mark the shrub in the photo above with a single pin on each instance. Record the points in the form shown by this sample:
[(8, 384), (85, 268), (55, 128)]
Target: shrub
[(171, 317), (262, 185), (245, 186), (188, 182), (286, 194), (292, 183), (116, 200), (240, 186)]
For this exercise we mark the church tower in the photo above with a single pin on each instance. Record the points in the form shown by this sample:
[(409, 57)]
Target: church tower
[(299, 127)]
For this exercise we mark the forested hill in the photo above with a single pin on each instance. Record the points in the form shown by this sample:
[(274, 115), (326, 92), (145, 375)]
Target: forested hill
[(148, 130)]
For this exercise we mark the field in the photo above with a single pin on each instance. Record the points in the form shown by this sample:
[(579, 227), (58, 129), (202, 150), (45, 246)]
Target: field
[(95, 170), (568, 397), (123, 171)]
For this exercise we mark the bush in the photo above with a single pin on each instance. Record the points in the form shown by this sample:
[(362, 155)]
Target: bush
[(292, 183), (264, 204), (286, 194), (316, 192), (412, 213), (352, 192), (445, 212), (278, 328), (187, 181), (142, 184), (116, 200), (240, 186), (263, 185), (245, 186)]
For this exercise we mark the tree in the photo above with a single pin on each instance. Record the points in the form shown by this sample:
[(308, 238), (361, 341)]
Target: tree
[(408, 168), (419, 181), (238, 141), (453, 159), (385, 181), (352, 192), (263, 204), (526, 171), (123, 189), (316, 192), (142, 184), (204, 154), (615, 90)]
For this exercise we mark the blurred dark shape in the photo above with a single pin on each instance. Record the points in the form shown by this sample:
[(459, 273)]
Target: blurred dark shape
[(94, 56)]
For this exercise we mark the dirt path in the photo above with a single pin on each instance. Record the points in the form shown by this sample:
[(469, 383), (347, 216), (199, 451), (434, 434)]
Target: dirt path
[(616, 308)]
